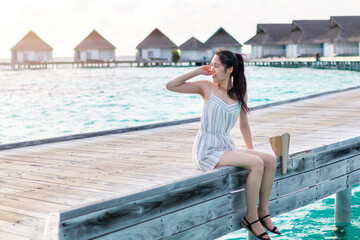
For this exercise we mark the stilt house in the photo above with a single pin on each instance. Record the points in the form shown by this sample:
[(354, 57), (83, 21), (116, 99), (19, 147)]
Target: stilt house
[(193, 49), (340, 39), (301, 42), (31, 49), (156, 46), (94, 48), (222, 39), (265, 42)]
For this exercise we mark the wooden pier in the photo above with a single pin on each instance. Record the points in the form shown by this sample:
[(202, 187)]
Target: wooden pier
[(104, 64), (143, 185), (339, 63)]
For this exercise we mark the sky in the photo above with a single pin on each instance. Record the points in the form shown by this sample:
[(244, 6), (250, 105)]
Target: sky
[(63, 24)]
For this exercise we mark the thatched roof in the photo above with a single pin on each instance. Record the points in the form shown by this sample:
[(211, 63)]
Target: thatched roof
[(267, 34), (192, 44), (156, 39), (342, 28), (222, 38), (305, 31), (94, 41), (31, 42)]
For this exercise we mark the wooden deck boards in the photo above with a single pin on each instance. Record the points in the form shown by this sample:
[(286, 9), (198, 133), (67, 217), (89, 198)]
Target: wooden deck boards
[(38, 180)]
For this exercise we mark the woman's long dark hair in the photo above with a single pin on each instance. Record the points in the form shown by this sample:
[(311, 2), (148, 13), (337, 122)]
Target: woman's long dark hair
[(238, 89)]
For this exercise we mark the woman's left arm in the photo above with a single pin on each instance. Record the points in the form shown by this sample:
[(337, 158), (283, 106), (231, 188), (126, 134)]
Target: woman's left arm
[(245, 127)]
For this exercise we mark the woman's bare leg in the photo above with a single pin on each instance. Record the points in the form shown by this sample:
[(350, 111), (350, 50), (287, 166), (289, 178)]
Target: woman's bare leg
[(253, 183), (266, 184)]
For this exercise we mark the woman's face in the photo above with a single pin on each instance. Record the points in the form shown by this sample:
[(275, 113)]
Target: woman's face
[(218, 70)]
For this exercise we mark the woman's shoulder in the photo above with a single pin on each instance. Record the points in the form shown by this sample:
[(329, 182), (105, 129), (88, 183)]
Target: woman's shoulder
[(205, 84), (206, 88)]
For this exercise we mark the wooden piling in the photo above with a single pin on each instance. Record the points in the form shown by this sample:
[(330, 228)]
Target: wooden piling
[(343, 207)]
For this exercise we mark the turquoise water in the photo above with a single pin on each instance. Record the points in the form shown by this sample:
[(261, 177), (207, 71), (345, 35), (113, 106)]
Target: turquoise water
[(58, 102), (314, 222)]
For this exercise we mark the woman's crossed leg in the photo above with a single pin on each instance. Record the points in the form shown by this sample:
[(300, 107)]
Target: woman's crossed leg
[(259, 182)]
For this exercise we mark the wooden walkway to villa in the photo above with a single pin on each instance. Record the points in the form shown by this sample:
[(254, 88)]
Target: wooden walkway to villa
[(105, 64), (340, 63), (70, 177)]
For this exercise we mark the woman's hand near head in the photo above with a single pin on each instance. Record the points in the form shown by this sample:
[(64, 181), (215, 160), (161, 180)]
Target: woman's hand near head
[(205, 70), (180, 85)]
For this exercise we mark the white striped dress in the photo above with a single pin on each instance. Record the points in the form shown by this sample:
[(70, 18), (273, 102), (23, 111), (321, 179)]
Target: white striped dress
[(213, 138)]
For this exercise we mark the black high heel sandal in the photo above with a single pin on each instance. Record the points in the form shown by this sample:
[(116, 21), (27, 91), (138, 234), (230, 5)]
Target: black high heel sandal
[(264, 224), (248, 227)]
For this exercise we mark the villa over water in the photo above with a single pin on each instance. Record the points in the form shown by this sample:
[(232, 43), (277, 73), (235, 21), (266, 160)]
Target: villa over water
[(94, 48), (337, 37), (31, 48)]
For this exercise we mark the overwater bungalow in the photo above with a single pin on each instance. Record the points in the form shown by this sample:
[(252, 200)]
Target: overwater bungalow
[(301, 42), (94, 48), (222, 39), (156, 46), (31, 49), (356, 38), (338, 39), (193, 49), (265, 42)]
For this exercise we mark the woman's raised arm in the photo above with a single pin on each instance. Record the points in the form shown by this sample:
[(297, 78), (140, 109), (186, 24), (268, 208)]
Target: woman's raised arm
[(180, 85)]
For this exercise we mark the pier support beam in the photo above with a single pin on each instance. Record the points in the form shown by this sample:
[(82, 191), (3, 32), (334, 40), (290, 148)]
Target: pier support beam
[(343, 207)]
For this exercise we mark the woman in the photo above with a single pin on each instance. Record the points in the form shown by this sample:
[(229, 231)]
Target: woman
[(225, 99)]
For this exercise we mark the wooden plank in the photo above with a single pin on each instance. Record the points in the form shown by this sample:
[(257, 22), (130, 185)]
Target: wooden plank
[(333, 155), (33, 214), (354, 178), (354, 163), (108, 177), (332, 171), (76, 182), (296, 165), (179, 221), (51, 231), (11, 235), (22, 219), (19, 229), (306, 196), (123, 216), (145, 194), (295, 183), (94, 134), (29, 206)]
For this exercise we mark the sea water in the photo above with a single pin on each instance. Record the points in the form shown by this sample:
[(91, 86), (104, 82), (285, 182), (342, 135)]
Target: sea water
[(36, 104), (313, 222)]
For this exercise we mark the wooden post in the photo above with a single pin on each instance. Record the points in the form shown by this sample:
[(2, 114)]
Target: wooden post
[(280, 146), (51, 231), (343, 207)]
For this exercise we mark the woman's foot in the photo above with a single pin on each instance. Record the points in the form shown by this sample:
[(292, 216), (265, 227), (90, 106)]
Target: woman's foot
[(254, 226), (265, 220)]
